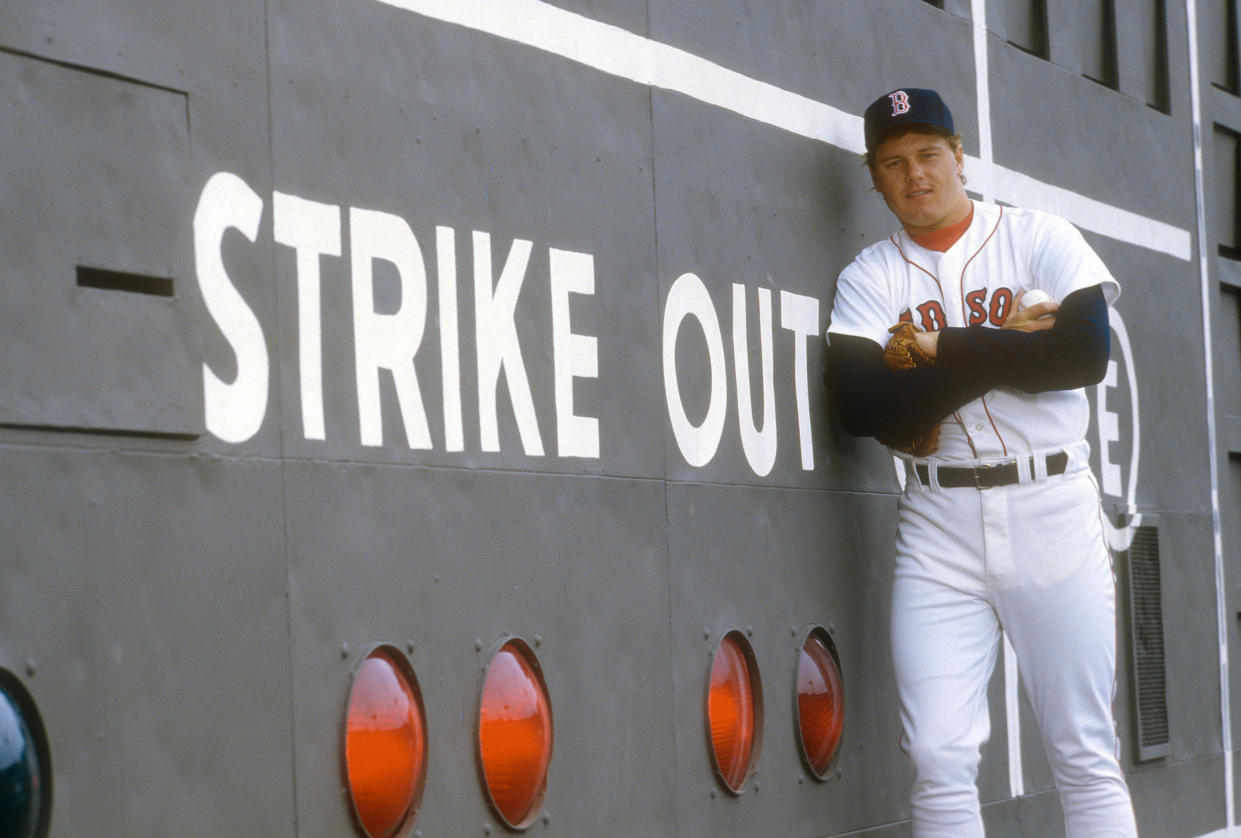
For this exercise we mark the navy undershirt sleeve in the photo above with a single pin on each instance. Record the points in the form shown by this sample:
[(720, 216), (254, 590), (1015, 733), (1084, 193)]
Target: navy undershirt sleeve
[(1071, 354), (873, 400)]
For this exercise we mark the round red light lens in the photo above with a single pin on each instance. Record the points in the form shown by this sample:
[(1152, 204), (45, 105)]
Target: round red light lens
[(734, 710), (820, 702), (385, 744), (515, 734)]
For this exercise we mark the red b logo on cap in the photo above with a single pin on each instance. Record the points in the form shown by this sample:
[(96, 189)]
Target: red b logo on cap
[(900, 102)]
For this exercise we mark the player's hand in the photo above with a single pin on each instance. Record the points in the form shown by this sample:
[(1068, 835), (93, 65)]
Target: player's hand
[(1035, 318), (928, 342)]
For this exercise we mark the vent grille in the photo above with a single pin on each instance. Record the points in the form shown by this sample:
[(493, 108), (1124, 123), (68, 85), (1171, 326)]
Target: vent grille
[(1146, 625)]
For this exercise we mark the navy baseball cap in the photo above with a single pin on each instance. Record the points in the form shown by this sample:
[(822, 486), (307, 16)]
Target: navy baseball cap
[(905, 106)]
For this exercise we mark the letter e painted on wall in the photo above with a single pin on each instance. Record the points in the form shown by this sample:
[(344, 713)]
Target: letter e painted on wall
[(574, 356)]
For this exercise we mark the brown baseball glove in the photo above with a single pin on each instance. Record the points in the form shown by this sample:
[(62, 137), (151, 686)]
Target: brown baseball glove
[(903, 353)]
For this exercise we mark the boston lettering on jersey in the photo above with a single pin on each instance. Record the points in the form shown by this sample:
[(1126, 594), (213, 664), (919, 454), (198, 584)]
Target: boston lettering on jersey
[(931, 317)]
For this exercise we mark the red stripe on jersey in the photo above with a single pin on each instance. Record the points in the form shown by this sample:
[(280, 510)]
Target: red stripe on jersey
[(901, 251), (965, 318), (956, 414)]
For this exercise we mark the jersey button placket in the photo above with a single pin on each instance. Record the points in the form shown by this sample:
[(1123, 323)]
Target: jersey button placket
[(949, 267)]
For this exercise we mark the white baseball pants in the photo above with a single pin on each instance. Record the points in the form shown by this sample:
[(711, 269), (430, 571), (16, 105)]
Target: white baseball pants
[(1029, 558)]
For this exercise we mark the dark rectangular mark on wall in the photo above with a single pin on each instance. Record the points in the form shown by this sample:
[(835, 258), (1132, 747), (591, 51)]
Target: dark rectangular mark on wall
[(1155, 36), (1228, 357), (1098, 28), (105, 280), (113, 432), (1221, 46), (1230, 281), (1224, 173), (1141, 50), (1150, 705), (1026, 25)]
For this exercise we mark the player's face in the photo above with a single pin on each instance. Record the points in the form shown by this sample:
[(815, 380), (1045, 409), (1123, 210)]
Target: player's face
[(919, 176)]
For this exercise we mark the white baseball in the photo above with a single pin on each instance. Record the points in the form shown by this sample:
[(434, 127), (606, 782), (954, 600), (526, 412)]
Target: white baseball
[(1033, 297)]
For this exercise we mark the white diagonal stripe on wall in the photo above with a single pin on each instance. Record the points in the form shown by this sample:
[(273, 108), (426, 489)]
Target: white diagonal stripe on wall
[(619, 52)]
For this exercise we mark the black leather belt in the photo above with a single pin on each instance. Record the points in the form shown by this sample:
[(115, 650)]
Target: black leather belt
[(988, 476)]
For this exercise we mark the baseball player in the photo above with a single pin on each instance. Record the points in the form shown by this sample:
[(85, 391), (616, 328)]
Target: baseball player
[(933, 352)]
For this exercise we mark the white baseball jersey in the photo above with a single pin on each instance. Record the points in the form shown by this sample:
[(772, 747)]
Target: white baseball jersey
[(1004, 251)]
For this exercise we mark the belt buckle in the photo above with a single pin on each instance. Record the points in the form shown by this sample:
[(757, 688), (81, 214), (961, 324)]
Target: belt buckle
[(980, 471)]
